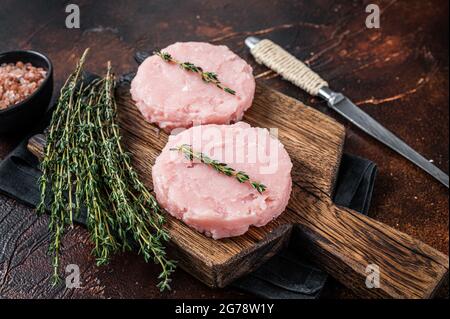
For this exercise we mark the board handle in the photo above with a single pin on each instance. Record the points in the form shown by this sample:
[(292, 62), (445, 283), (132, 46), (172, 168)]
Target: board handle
[(288, 66), (366, 255), (36, 145)]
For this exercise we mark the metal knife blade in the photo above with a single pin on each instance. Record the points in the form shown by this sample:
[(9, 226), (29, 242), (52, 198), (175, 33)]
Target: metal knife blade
[(365, 122)]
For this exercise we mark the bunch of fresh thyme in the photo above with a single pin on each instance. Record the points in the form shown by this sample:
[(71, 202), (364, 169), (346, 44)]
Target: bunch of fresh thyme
[(85, 163), (208, 77), (222, 168)]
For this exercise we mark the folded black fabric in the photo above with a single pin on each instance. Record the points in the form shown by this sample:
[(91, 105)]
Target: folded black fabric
[(289, 275), (19, 175), (355, 183)]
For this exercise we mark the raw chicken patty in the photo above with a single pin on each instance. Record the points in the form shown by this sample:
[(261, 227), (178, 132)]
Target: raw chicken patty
[(172, 97), (216, 204)]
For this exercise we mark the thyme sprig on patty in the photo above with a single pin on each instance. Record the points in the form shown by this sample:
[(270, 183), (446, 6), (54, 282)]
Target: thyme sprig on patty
[(208, 77), (222, 168)]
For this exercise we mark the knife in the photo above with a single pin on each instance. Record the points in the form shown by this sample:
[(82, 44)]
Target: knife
[(290, 68)]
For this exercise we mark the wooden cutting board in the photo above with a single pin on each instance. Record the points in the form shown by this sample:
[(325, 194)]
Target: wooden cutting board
[(341, 241)]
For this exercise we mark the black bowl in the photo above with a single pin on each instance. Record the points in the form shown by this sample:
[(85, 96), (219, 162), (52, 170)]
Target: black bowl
[(23, 115)]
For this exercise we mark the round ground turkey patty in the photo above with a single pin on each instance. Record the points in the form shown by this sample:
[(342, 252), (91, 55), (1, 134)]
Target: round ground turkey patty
[(216, 204), (172, 97)]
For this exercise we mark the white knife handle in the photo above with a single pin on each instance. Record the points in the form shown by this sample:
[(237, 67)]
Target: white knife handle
[(289, 67)]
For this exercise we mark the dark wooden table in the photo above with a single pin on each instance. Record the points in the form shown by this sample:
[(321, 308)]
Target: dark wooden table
[(398, 74)]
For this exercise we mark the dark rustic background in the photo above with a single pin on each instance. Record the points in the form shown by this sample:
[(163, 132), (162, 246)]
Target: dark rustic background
[(398, 74)]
